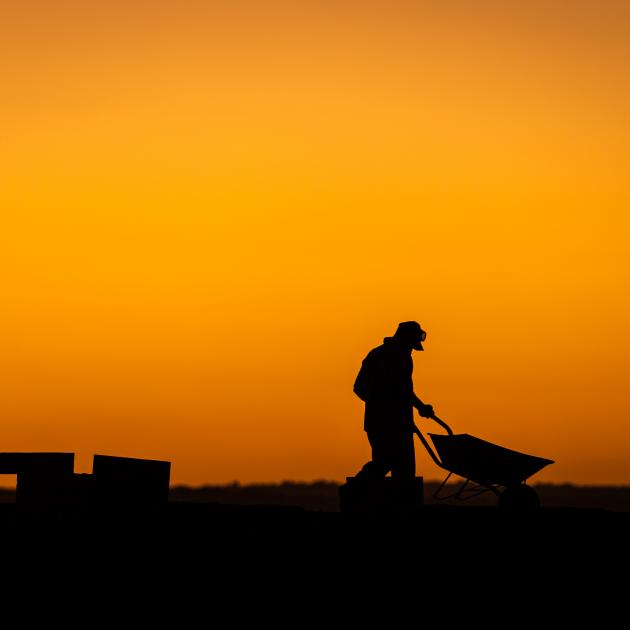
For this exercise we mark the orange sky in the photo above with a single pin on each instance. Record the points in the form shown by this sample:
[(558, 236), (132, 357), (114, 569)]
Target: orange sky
[(212, 211)]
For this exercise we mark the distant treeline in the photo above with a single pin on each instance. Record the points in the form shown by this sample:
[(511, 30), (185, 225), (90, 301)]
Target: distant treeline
[(323, 495)]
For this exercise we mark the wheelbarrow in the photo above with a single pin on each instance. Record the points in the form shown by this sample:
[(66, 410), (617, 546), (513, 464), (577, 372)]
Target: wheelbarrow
[(484, 467)]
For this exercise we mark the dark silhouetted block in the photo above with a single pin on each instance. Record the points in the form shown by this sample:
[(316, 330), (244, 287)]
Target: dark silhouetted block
[(42, 478), (82, 489), (17, 463), (131, 481), (379, 495)]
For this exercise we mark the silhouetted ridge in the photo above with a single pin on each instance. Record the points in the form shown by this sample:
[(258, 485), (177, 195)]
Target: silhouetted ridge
[(323, 495)]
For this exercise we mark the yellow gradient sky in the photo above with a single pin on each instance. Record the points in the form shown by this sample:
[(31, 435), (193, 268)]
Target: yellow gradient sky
[(211, 211)]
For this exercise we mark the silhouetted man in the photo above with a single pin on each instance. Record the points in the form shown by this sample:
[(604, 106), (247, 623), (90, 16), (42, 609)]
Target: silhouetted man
[(385, 384)]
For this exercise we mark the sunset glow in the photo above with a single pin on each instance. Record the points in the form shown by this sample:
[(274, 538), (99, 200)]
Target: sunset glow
[(211, 211)]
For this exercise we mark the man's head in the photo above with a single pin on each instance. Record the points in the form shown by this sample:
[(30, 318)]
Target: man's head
[(411, 334)]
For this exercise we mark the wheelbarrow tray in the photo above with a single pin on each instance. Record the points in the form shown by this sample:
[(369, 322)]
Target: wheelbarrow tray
[(483, 462)]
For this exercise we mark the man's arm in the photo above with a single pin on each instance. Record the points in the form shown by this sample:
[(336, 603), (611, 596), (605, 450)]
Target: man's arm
[(426, 411)]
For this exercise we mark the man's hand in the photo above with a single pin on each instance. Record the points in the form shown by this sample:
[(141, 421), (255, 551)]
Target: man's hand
[(426, 411)]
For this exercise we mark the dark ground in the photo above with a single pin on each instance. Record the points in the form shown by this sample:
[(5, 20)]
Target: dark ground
[(265, 563), (301, 517)]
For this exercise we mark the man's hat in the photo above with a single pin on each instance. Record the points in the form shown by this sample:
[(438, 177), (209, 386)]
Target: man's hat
[(412, 332)]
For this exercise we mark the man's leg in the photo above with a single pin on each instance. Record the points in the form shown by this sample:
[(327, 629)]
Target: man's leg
[(381, 458), (404, 457)]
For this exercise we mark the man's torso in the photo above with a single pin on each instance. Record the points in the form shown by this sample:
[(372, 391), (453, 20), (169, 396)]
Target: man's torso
[(389, 388)]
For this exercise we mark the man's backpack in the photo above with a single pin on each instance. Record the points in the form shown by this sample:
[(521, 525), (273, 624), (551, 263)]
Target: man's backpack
[(361, 384)]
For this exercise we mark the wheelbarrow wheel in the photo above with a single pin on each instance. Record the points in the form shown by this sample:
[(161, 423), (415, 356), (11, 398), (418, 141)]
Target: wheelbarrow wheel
[(519, 497)]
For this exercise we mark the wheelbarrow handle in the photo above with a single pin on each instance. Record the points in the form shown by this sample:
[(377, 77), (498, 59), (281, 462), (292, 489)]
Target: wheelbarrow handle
[(426, 444), (443, 424)]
